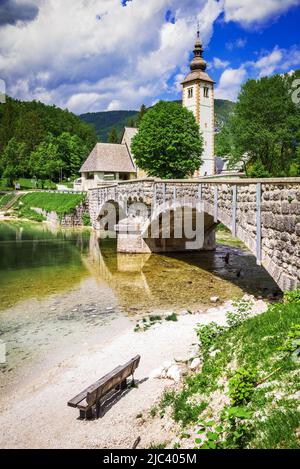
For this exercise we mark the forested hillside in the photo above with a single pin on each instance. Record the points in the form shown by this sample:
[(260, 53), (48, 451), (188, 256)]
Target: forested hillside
[(104, 122), (41, 141)]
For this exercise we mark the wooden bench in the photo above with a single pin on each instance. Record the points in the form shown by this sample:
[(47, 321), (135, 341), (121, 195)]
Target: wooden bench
[(95, 394)]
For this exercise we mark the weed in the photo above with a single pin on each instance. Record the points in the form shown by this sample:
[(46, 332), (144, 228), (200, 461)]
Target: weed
[(172, 317), (241, 386), (207, 334)]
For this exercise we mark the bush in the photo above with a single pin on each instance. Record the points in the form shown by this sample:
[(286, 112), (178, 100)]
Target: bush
[(292, 296), (86, 219), (241, 386), (25, 212), (208, 333), (241, 313), (172, 317)]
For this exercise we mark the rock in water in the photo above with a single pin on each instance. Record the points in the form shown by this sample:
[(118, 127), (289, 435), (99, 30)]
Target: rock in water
[(214, 299)]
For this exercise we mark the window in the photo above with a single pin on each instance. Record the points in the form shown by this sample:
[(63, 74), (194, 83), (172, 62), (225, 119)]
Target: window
[(90, 176), (109, 176), (206, 92), (190, 92)]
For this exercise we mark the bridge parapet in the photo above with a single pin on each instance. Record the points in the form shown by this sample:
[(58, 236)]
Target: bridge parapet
[(263, 213)]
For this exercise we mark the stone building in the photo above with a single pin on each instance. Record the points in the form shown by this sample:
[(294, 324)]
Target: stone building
[(128, 134), (107, 162), (198, 97)]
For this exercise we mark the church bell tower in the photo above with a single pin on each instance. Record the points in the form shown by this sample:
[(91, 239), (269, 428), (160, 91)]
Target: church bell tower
[(198, 97)]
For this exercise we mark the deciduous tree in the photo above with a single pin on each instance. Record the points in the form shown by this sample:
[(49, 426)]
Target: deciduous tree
[(168, 144)]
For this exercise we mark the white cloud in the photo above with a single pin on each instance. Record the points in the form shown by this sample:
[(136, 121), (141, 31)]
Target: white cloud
[(279, 60), (218, 63), (91, 55), (239, 43), (269, 63), (276, 61), (69, 57), (230, 83), (248, 12)]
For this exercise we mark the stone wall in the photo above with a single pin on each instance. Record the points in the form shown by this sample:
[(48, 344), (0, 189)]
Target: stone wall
[(264, 214), (71, 220)]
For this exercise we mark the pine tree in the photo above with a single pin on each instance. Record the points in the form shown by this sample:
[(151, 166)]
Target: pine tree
[(142, 112), (113, 136)]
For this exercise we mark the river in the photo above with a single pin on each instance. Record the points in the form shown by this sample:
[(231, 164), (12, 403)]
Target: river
[(62, 290)]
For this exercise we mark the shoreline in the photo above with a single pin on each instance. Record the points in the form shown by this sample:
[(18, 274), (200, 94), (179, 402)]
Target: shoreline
[(36, 415)]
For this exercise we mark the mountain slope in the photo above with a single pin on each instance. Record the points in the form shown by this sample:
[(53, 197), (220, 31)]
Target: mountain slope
[(103, 122)]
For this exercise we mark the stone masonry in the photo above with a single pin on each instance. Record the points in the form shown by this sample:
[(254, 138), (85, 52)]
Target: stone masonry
[(264, 214)]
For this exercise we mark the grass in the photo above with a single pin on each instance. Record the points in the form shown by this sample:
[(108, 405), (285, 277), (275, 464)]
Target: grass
[(51, 202), (254, 344), (5, 199), (26, 184), (224, 236), (4, 185), (26, 212)]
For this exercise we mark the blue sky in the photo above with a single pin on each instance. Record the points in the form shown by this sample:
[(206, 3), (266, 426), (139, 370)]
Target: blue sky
[(95, 55)]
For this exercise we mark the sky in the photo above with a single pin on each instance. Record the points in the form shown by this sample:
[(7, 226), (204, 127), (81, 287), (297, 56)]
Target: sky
[(99, 55)]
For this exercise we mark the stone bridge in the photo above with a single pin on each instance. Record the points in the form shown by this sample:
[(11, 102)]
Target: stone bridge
[(264, 214)]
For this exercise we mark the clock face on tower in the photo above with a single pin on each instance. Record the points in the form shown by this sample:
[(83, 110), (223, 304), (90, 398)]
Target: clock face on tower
[(198, 97)]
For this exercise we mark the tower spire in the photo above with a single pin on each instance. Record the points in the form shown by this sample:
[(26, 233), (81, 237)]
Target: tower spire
[(198, 62)]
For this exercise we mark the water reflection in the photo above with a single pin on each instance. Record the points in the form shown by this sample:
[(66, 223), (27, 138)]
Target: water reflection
[(36, 262)]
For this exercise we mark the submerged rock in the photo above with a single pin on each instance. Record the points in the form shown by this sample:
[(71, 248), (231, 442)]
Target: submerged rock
[(214, 299)]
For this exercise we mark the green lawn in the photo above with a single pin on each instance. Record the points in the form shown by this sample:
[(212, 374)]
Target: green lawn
[(27, 184), (60, 203), (5, 199)]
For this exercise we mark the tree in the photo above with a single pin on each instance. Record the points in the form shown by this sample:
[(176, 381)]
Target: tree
[(131, 122), (13, 160), (168, 144), (72, 151), (223, 143), (113, 136), (265, 127), (30, 123), (45, 161), (141, 114)]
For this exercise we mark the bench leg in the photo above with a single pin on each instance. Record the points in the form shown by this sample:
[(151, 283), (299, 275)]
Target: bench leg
[(123, 385), (86, 414), (99, 410)]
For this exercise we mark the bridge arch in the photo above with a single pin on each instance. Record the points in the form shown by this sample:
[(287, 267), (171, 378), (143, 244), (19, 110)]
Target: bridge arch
[(264, 214)]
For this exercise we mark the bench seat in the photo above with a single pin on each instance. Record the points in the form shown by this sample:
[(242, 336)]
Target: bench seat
[(95, 394)]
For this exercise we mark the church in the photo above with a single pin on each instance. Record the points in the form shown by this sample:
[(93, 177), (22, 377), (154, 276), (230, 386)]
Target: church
[(114, 162)]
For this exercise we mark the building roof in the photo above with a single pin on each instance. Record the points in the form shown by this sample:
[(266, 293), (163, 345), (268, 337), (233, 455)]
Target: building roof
[(131, 132), (109, 157), (198, 75), (128, 134)]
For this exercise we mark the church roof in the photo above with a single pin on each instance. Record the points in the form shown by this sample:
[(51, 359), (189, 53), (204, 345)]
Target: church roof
[(109, 157), (130, 131), (198, 75)]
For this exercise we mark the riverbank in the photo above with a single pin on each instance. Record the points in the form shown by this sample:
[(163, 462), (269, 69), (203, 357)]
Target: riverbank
[(35, 415)]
